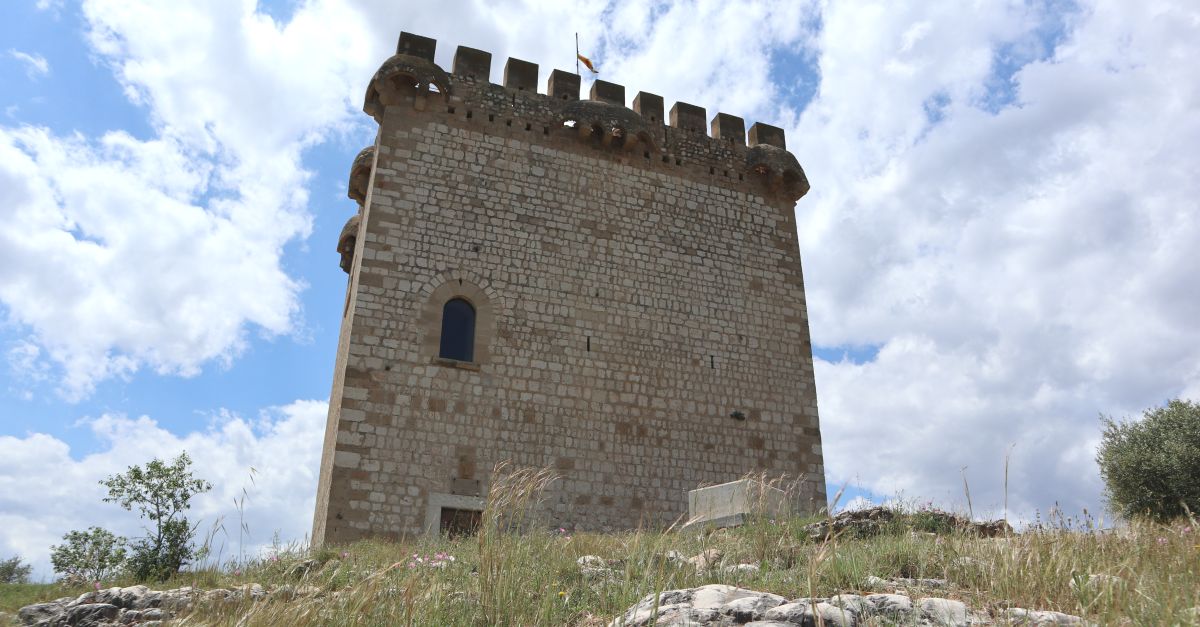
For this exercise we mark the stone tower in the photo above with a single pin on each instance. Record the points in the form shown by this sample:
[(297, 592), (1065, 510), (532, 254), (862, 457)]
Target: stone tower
[(611, 292)]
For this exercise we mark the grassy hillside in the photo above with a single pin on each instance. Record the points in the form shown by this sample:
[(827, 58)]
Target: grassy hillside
[(532, 577)]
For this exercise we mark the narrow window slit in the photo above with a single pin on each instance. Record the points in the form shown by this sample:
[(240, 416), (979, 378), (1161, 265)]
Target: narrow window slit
[(712, 362), (450, 110)]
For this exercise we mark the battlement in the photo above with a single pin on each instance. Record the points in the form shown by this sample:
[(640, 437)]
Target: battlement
[(580, 278), (715, 149)]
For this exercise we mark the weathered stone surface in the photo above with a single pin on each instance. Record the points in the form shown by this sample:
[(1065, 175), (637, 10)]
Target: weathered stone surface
[(750, 608), (38, 612), (944, 612), (811, 611), (1022, 616), (594, 567), (729, 504), (889, 604), (91, 614), (878, 583), (862, 523), (706, 559), (625, 293)]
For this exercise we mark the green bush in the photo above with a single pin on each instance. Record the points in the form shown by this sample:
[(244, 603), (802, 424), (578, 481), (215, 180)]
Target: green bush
[(162, 493), (92, 555), (1151, 467), (13, 571)]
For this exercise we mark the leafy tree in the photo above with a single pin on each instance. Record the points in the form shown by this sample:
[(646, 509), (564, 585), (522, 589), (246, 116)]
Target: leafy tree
[(92, 555), (1151, 467), (162, 493), (13, 571)]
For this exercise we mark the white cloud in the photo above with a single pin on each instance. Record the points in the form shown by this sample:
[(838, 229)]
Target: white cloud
[(1024, 269), (1003, 200), (123, 253), (35, 64), (45, 492)]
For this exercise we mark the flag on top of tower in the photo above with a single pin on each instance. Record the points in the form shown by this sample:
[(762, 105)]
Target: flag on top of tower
[(587, 62)]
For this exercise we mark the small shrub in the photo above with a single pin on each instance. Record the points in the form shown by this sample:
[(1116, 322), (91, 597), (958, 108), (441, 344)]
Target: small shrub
[(92, 555), (161, 493), (13, 571), (1150, 466)]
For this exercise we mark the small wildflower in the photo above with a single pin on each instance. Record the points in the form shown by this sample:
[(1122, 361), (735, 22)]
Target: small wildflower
[(237, 572), (97, 585), (1162, 541), (345, 554)]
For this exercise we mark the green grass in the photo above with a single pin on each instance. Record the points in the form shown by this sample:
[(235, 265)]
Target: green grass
[(517, 573), (14, 596)]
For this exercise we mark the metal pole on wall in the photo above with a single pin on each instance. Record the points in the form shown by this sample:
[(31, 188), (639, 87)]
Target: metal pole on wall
[(577, 53)]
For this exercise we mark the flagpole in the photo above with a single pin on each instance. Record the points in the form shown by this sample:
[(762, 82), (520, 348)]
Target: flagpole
[(577, 53)]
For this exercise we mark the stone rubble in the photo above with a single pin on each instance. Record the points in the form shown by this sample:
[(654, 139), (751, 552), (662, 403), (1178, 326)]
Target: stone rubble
[(872, 521), (139, 605), (719, 605)]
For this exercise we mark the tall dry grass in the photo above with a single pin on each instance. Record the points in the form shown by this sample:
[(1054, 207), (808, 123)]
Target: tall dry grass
[(516, 571)]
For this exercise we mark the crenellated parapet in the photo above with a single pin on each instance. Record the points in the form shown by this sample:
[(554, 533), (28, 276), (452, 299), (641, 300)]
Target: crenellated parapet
[(683, 138)]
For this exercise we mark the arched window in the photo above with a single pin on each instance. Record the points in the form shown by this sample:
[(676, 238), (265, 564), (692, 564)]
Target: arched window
[(458, 331)]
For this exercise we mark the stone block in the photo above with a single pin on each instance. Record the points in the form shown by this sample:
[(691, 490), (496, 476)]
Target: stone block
[(650, 106), (563, 85), (605, 91), (729, 504), (688, 117), (766, 134), (520, 75), (416, 45), (730, 128), (474, 63)]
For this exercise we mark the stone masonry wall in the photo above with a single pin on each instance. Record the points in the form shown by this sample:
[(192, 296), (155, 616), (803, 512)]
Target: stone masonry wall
[(641, 319)]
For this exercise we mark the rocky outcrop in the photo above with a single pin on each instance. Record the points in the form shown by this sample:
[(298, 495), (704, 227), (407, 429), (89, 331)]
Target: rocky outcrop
[(719, 605), (863, 523), (135, 605)]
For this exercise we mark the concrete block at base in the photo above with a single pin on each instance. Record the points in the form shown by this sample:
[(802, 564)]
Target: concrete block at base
[(730, 504)]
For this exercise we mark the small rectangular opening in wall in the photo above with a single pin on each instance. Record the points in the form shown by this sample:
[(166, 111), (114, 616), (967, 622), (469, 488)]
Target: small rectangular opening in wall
[(679, 162), (491, 117), (712, 362), (666, 159), (460, 522), (589, 343), (545, 130), (508, 122), (712, 170), (450, 110), (725, 172), (528, 126), (468, 114), (739, 176), (646, 154)]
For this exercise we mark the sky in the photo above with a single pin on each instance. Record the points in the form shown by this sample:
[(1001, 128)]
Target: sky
[(1000, 244)]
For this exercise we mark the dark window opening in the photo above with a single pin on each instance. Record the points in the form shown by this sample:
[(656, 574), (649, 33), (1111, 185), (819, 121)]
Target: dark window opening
[(460, 522), (458, 331)]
